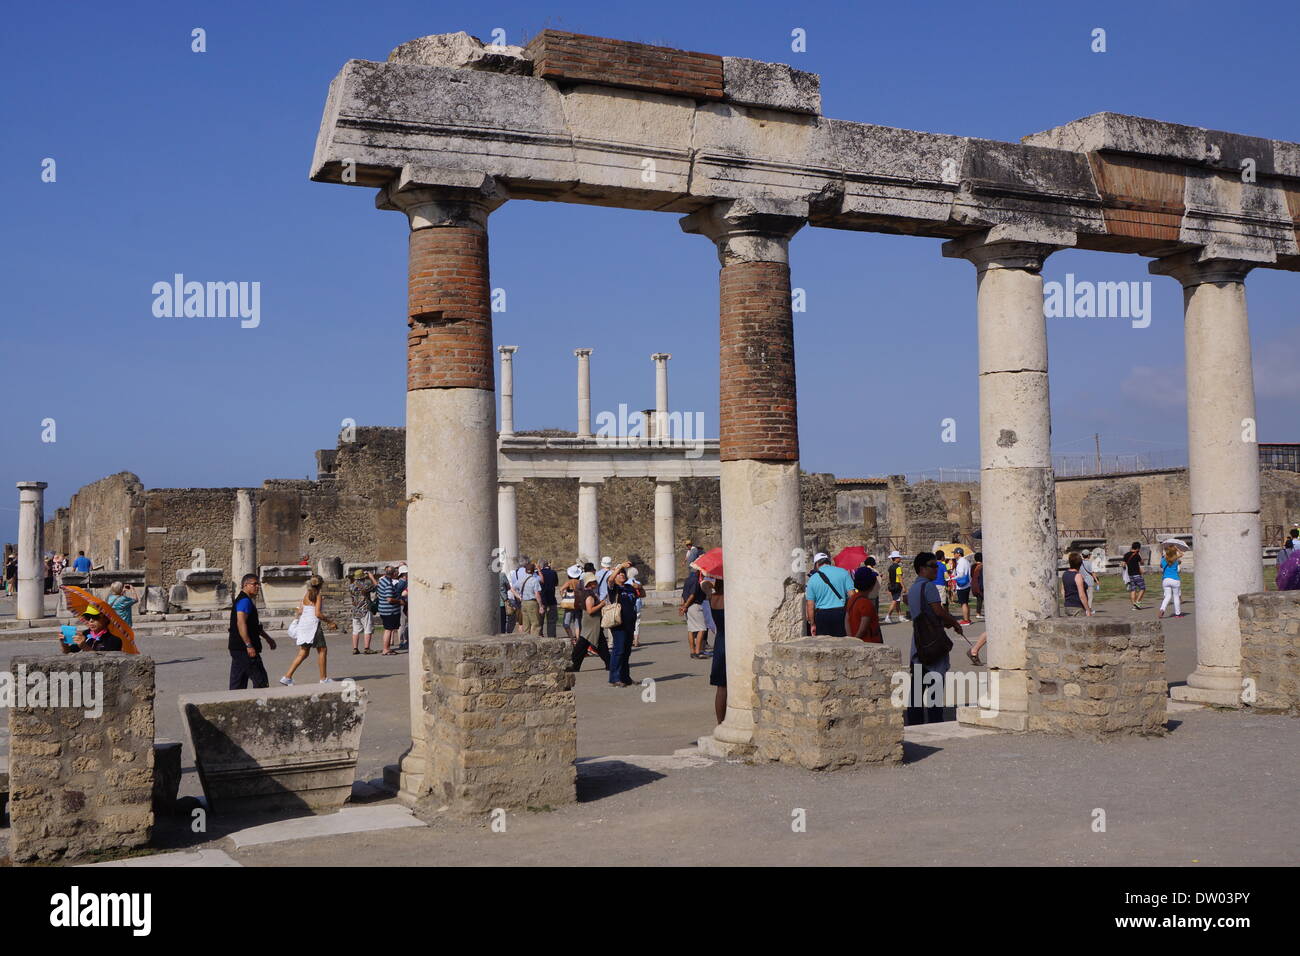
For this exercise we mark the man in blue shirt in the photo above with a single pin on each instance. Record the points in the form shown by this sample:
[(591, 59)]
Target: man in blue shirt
[(825, 596), (245, 637), (82, 564)]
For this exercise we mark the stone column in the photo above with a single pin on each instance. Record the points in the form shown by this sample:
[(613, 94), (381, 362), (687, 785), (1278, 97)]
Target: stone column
[(507, 389), (762, 529), (1017, 487), (31, 548), (589, 520), (451, 454), (584, 392), (665, 538), (508, 525), (661, 396), (243, 542), (1223, 467)]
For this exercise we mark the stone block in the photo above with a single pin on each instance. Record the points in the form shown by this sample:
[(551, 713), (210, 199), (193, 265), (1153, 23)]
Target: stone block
[(506, 737), (283, 584), (200, 589), (1270, 650), (839, 716), (166, 775), (773, 86), (1110, 681), (81, 756), (276, 749)]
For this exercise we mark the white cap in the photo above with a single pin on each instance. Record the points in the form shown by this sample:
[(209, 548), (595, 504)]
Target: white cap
[(575, 570), (606, 561), (821, 556), (631, 574), (402, 570), (895, 554)]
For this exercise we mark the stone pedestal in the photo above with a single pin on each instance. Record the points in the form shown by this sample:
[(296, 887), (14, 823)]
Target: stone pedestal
[(202, 589), (1270, 651), (1093, 679), (283, 585), (501, 724), (824, 703), (82, 757), (289, 748)]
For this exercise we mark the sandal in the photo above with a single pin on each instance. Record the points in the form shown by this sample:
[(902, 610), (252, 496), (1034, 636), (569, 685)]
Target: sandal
[(369, 651), (975, 659)]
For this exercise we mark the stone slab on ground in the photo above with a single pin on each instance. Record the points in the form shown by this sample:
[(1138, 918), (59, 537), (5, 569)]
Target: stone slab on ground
[(276, 748), (206, 857), (347, 820)]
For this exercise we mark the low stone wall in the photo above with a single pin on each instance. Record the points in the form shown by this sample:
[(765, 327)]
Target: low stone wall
[(501, 723), (1096, 679), (272, 749), (81, 782), (1270, 649), (823, 703)]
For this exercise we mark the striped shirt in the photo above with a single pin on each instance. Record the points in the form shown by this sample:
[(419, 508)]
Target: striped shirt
[(389, 588)]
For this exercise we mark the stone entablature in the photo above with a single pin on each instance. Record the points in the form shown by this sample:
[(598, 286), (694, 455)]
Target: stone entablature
[(1270, 650)]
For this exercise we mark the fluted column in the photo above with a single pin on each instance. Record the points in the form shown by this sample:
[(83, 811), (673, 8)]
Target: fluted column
[(584, 392), (31, 545), (1017, 487), (451, 454), (762, 527), (1222, 465)]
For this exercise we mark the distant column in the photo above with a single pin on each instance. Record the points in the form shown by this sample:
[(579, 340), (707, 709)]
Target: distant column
[(584, 392), (507, 389), (589, 520), (243, 541), (508, 524), (661, 396), (665, 544), (31, 544)]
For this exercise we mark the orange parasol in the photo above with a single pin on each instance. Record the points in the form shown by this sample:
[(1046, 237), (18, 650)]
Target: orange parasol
[(78, 599), (709, 563)]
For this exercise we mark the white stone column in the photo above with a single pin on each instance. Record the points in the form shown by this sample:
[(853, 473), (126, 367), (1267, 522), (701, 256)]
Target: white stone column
[(589, 520), (451, 442), (762, 522), (507, 389), (1017, 487), (508, 525), (665, 537), (1223, 467), (661, 397), (243, 540), (584, 392), (31, 548)]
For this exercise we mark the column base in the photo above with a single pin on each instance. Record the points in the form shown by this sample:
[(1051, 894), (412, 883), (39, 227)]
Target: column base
[(1206, 695), (1010, 710), (407, 778), (734, 737), (713, 747), (1013, 720)]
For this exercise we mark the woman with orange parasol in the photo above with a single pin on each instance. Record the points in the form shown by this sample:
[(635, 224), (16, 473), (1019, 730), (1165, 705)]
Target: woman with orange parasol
[(105, 631)]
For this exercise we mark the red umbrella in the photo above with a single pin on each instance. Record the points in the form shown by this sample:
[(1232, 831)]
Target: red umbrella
[(709, 563), (850, 559)]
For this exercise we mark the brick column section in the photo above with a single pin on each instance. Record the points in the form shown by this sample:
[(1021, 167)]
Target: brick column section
[(762, 528), (451, 468), (1017, 486)]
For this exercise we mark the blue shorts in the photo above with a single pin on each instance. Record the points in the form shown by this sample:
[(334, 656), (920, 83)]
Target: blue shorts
[(1136, 583)]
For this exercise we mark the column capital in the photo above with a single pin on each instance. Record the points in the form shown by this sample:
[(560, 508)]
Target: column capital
[(508, 482), (442, 197), (1007, 246), (507, 350), (749, 230), (590, 482), (666, 481), (583, 353), (661, 356), (32, 485), (1196, 268)]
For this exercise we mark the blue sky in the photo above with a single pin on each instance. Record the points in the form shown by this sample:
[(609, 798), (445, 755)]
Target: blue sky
[(172, 161)]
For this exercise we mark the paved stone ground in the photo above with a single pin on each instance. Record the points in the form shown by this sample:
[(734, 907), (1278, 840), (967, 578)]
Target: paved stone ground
[(1218, 790)]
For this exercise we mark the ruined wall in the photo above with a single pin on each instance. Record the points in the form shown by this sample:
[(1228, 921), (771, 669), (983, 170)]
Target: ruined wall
[(194, 518), (97, 516)]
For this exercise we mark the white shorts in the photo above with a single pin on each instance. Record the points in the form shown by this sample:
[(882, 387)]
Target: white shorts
[(363, 624), (695, 619)]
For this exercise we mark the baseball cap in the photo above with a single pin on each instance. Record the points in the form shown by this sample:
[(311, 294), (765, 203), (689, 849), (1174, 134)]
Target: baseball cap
[(92, 611), (895, 554), (821, 556)]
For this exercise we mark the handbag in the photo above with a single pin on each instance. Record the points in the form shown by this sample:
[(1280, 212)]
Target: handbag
[(611, 615), (567, 602), (928, 635), (293, 629)]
